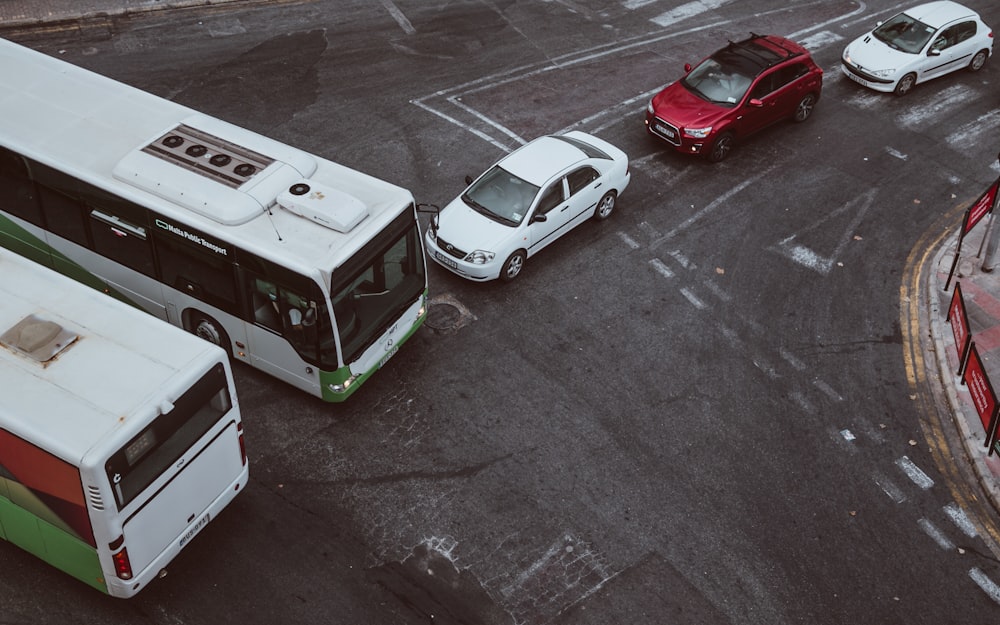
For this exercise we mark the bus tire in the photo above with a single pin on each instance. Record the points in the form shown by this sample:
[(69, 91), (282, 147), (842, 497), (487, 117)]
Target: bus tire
[(203, 326)]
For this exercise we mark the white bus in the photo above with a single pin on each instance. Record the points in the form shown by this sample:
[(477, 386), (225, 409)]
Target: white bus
[(303, 268), (120, 435)]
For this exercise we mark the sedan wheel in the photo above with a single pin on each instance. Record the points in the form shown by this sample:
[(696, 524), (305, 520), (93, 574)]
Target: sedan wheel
[(905, 84), (805, 108), (606, 206), (512, 266), (978, 61)]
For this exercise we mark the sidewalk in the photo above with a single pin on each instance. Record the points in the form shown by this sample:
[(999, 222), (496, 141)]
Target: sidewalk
[(981, 294)]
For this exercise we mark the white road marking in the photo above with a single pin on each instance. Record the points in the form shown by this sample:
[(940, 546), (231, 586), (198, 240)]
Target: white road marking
[(986, 584), (716, 203), (629, 241), (801, 400), (890, 488), (791, 359), (685, 11), (827, 390), (985, 125), (717, 290), (936, 535), (848, 435), (913, 472), (661, 268), (894, 152), (691, 297), (959, 518), (808, 258), (819, 41), (399, 17)]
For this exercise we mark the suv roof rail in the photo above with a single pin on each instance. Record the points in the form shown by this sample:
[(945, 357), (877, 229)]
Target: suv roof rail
[(740, 46)]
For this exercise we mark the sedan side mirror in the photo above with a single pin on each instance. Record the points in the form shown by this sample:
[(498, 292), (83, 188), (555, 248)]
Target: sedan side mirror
[(468, 180), (539, 217)]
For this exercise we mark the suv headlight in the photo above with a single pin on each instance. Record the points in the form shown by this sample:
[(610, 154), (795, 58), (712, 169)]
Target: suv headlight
[(649, 108), (698, 133), (479, 257)]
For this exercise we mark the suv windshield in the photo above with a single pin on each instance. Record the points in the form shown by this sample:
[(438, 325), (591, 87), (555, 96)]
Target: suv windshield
[(904, 33), (722, 79)]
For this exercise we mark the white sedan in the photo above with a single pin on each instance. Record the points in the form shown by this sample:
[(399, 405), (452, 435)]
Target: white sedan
[(528, 199), (919, 44)]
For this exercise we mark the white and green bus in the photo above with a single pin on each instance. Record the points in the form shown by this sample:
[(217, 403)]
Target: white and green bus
[(303, 268), (120, 435)]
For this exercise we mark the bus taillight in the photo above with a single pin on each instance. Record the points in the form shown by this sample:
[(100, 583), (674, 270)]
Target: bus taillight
[(243, 447), (123, 568)]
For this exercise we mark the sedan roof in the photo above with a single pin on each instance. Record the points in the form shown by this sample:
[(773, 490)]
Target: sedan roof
[(937, 14), (542, 158)]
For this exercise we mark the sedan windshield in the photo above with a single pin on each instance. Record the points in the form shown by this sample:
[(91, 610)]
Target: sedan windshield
[(904, 33), (722, 79), (501, 196)]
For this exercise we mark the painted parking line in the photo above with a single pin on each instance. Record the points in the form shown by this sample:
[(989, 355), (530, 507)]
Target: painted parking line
[(916, 475)]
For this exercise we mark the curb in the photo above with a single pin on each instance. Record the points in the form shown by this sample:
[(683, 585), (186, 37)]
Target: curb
[(972, 443)]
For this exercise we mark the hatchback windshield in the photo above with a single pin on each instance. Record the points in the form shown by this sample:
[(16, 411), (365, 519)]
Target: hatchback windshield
[(904, 33), (722, 79), (501, 196)]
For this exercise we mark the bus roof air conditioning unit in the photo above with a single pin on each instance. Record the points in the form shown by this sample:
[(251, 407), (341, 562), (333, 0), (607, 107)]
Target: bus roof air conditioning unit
[(326, 206)]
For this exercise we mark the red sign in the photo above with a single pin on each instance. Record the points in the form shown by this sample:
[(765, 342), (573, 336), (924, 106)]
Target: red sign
[(982, 206), (980, 389), (959, 320)]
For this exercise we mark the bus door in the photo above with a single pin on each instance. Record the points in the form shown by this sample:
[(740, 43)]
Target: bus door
[(284, 319)]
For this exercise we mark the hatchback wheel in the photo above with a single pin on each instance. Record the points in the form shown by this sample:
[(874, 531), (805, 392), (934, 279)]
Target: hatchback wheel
[(905, 84), (512, 266), (721, 148), (805, 108), (978, 61), (606, 206)]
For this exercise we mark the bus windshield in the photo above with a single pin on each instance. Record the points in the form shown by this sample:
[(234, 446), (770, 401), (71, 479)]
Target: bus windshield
[(371, 292), (154, 450)]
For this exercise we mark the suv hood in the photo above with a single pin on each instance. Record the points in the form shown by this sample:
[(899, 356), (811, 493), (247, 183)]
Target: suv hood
[(683, 109)]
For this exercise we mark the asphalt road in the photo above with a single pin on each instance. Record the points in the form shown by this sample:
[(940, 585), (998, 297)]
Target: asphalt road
[(697, 411)]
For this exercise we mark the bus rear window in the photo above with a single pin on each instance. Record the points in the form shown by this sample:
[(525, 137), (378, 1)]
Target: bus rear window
[(154, 450)]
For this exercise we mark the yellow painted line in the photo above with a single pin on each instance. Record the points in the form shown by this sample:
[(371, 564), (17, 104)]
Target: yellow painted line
[(910, 294)]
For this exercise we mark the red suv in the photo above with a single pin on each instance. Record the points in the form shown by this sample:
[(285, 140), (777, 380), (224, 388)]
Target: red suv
[(737, 91)]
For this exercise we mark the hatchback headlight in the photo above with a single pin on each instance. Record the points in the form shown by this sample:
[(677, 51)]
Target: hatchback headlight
[(698, 133), (882, 73), (479, 257)]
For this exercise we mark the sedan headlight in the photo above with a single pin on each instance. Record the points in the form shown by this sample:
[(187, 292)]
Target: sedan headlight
[(479, 257), (698, 133), (882, 73)]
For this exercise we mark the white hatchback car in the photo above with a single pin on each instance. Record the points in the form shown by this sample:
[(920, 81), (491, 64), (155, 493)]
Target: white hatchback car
[(919, 44), (528, 199)]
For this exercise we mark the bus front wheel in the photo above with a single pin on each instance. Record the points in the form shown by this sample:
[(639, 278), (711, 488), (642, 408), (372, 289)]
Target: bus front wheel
[(209, 329)]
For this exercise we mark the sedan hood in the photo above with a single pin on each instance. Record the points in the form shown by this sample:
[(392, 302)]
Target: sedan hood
[(683, 109), (870, 54), (468, 230)]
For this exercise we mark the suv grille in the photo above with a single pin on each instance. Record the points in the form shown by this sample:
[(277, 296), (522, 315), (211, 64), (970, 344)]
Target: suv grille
[(668, 131)]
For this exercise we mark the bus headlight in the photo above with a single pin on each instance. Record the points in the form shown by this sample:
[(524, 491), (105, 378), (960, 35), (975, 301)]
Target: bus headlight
[(343, 386)]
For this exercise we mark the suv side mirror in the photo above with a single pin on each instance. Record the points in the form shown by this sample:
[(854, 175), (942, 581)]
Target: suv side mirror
[(687, 68)]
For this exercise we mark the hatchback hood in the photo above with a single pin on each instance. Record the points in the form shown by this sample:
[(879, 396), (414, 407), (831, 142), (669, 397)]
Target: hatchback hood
[(468, 230), (683, 109), (868, 53)]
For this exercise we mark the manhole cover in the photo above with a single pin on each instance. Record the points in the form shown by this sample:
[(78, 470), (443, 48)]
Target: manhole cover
[(446, 314)]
